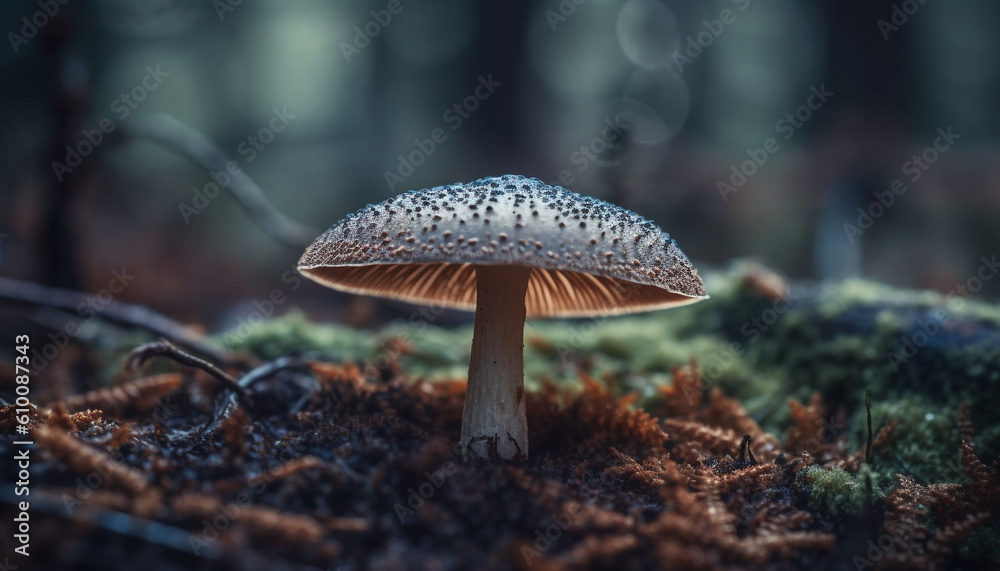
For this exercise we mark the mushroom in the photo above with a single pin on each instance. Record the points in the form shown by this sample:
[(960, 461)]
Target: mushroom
[(507, 247)]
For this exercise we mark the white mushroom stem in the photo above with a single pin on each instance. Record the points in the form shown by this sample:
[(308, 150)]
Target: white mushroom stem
[(494, 424)]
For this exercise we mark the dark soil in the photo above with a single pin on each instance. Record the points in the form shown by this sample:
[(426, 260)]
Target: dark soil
[(320, 467)]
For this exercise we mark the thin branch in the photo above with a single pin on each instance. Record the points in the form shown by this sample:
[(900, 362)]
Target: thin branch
[(267, 370), (143, 353), (193, 145), (118, 312), (228, 405)]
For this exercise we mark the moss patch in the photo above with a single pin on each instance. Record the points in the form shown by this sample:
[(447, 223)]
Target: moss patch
[(838, 493), (835, 339)]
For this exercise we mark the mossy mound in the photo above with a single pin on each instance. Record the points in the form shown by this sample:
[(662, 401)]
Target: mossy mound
[(923, 355)]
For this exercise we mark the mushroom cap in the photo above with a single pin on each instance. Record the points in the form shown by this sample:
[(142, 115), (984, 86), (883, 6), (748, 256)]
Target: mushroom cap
[(587, 257)]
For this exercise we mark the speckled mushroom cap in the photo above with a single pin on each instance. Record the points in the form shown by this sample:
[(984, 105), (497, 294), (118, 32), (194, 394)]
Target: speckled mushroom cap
[(587, 257)]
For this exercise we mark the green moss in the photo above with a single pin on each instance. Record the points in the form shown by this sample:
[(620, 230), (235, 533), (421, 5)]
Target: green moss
[(293, 333), (839, 493), (438, 353), (839, 297), (834, 338), (925, 444), (890, 323)]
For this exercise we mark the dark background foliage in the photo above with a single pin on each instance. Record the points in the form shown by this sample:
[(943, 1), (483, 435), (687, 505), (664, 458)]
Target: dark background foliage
[(898, 72)]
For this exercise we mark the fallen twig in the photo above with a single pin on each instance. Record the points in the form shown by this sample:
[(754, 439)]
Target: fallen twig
[(163, 348), (228, 405), (138, 395)]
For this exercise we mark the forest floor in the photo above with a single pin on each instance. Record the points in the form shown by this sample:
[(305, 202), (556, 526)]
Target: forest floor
[(733, 433)]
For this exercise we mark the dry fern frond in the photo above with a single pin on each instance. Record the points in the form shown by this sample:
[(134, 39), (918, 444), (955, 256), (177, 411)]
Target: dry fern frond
[(703, 440), (137, 396), (683, 397), (965, 430), (84, 459), (610, 420), (726, 412)]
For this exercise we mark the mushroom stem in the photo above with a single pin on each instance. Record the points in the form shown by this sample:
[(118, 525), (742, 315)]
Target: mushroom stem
[(494, 424)]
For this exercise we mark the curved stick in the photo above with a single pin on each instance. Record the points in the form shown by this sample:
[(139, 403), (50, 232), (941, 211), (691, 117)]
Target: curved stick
[(188, 142)]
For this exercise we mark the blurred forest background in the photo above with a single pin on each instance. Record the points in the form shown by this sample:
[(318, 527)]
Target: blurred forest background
[(328, 104)]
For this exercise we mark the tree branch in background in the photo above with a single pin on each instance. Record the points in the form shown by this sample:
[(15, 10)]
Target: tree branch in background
[(121, 313), (196, 147), (69, 89)]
